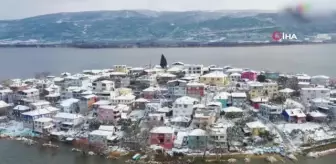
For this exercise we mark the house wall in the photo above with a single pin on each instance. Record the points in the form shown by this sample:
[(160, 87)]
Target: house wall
[(195, 91), (217, 81), (197, 142), (223, 102), (154, 139), (97, 139), (108, 115), (182, 110), (249, 75)]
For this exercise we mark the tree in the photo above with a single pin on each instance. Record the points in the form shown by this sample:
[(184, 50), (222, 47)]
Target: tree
[(163, 61), (261, 78)]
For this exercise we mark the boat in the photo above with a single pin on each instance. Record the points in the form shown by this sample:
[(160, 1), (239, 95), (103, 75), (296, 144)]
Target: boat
[(136, 157), (49, 145)]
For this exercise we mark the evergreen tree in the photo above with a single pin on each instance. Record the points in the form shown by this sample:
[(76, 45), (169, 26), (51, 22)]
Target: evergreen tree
[(163, 61)]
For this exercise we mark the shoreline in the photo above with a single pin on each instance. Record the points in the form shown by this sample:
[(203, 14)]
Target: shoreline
[(179, 45)]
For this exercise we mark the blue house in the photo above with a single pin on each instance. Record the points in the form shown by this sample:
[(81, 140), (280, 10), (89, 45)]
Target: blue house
[(197, 139), (222, 97), (294, 115)]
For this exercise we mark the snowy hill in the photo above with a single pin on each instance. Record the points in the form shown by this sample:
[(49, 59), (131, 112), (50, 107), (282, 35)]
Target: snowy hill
[(143, 25)]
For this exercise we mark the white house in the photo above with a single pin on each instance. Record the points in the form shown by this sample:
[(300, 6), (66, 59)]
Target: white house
[(103, 86), (303, 78), (123, 99), (320, 80), (6, 95), (103, 136), (183, 106), (66, 121), (272, 112), (235, 76), (43, 125), (194, 69), (70, 105), (39, 104), (29, 117), (29, 94), (307, 94)]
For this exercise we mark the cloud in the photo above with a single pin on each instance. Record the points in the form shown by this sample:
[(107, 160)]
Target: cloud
[(14, 9)]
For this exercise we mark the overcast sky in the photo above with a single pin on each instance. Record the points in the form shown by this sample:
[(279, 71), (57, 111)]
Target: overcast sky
[(14, 9)]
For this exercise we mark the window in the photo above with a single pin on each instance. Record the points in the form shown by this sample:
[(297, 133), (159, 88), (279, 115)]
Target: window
[(185, 106)]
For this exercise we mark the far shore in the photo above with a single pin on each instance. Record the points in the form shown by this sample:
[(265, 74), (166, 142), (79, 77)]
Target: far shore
[(158, 45)]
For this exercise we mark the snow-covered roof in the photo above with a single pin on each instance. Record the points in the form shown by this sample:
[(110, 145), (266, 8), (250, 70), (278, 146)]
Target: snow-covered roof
[(238, 94), (58, 79), (286, 90), (315, 89), (295, 112), (215, 74), (3, 104), (102, 102), (101, 133), (117, 73), (255, 124), (317, 114), (175, 69), (151, 89), (235, 74), (180, 119), (141, 100), (37, 112), (255, 84), (196, 84), (108, 107), (320, 100), (68, 115), (166, 75), (222, 95), (198, 132), (233, 109), (89, 96), (44, 119), (162, 130), (40, 103), (303, 77), (320, 77), (106, 81), (185, 100), (199, 106), (30, 90), (260, 99), (125, 97), (21, 107), (108, 128), (137, 69), (69, 102), (234, 70), (214, 104)]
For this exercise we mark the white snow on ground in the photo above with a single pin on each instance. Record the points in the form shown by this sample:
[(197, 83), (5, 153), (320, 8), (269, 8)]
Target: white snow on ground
[(307, 132), (287, 127), (14, 129)]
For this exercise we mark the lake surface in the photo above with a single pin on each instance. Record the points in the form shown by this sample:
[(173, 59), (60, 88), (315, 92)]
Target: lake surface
[(15, 152), (311, 59)]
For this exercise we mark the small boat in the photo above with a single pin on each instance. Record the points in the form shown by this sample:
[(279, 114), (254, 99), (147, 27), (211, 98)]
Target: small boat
[(49, 145), (136, 157)]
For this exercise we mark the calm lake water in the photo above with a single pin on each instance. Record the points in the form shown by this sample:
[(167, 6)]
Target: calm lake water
[(311, 59), (15, 152)]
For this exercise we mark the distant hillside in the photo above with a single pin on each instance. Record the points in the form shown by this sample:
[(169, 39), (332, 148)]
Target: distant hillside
[(137, 26)]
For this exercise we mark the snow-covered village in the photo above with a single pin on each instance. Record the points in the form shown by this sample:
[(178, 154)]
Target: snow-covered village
[(176, 110)]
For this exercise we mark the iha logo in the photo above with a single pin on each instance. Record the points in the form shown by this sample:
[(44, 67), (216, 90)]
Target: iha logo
[(278, 36)]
